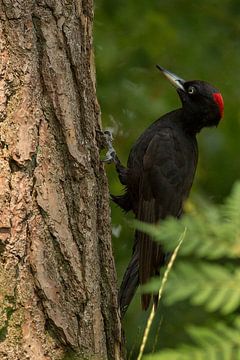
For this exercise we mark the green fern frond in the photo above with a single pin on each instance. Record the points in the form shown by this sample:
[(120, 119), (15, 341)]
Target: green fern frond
[(231, 208), (205, 274), (211, 285), (213, 232), (202, 283), (221, 342)]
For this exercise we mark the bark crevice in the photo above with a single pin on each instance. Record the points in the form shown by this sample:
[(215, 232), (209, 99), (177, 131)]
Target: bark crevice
[(55, 237)]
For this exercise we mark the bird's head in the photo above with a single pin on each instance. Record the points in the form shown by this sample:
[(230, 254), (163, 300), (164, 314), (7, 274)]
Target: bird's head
[(202, 103)]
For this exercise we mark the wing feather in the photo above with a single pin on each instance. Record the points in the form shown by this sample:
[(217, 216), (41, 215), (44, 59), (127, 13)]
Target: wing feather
[(159, 196)]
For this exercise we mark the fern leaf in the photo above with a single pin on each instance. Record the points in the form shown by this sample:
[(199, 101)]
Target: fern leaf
[(211, 285), (221, 342), (212, 232)]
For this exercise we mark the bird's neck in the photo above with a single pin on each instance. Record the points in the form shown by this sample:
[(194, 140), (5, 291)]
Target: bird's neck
[(192, 123)]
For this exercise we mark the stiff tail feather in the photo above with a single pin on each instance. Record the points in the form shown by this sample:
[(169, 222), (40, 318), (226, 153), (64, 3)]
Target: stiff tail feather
[(123, 201), (129, 284)]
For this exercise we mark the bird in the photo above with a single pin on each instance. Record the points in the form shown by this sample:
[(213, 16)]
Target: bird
[(159, 176)]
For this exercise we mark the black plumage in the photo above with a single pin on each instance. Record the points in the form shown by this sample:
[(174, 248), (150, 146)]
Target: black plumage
[(159, 175)]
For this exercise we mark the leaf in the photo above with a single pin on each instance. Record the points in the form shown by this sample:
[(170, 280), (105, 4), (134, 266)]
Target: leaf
[(212, 231), (204, 283), (220, 342)]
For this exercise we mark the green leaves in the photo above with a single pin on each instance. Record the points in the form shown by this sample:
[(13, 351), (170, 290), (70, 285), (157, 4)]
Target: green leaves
[(212, 233), (205, 274), (213, 286), (221, 342)]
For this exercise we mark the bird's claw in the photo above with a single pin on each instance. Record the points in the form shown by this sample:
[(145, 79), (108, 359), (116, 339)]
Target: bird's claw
[(111, 154), (109, 158)]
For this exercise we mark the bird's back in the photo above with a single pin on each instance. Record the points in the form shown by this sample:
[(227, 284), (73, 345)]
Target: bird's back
[(175, 154), (161, 168)]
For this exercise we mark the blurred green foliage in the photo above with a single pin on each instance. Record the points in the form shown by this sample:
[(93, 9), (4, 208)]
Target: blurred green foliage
[(195, 40), (220, 342), (204, 275)]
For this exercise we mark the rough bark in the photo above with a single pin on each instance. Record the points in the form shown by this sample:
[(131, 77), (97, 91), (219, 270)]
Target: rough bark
[(57, 275)]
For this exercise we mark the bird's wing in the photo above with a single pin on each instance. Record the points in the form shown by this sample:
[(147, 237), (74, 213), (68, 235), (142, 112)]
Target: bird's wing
[(160, 195)]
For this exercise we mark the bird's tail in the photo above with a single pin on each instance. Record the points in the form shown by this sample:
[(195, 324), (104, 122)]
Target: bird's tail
[(129, 284), (123, 201)]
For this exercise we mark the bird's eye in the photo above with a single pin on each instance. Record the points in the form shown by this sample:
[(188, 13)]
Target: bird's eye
[(191, 90)]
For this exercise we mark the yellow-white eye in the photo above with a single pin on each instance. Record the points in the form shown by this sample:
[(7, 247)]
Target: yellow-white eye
[(191, 90)]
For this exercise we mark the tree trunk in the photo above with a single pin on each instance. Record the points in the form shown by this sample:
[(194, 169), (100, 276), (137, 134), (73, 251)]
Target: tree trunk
[(57, 276)]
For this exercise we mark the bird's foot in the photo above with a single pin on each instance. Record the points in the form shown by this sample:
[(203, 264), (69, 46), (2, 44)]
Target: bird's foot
[(111, 155)]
